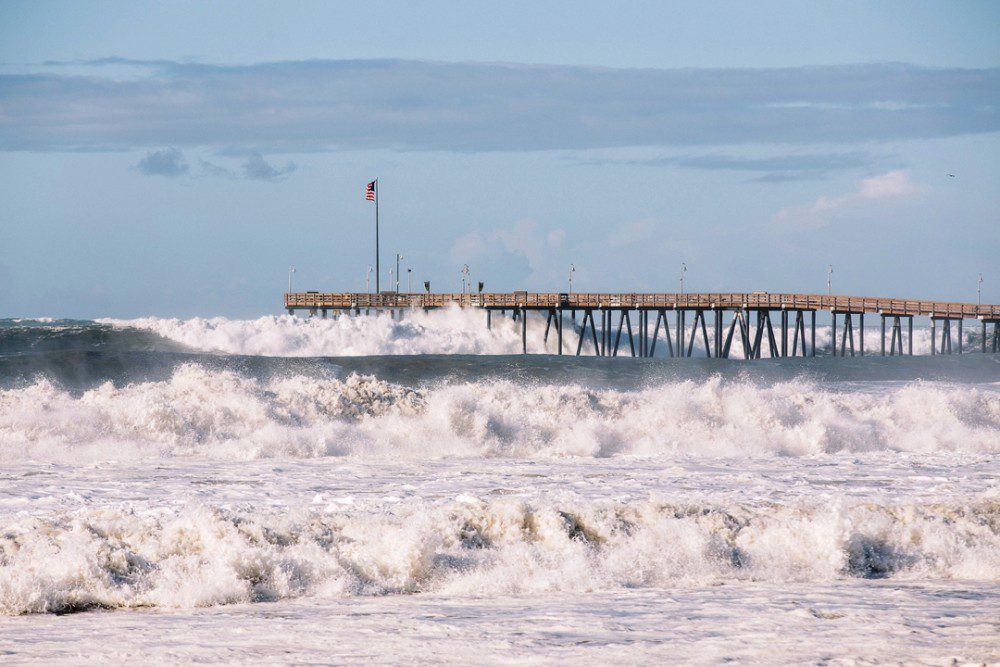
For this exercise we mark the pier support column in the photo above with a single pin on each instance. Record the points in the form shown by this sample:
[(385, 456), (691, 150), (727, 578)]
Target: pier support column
[(784, 332), (933, 336), (984, 336), (882, 344), (559, 330), (813, 346), (524, 331), (861, 335), (960, 336), (489, 320), (833, 334), (680, 332), (718, 333)]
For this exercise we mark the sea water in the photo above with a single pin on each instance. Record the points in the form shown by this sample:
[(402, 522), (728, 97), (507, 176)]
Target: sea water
[(366, 489)]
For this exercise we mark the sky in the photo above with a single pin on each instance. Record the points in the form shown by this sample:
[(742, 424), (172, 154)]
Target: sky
[(176, 159)]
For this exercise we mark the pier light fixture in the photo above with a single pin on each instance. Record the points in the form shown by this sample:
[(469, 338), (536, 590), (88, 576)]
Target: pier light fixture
[(390, 280), (684, 269), (979, 291), (291, 270), (409, 281), (465, 278), (829, 280), (427, 286), (481, 285), (572, 270), (368, 279)]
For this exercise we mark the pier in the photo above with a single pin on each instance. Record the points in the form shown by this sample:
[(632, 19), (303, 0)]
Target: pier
[(635, 323)]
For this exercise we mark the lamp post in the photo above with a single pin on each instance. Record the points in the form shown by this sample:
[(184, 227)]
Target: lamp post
[(291, 270), (829, 280), (465, 276), (572, 270), (979, 291), (684, 268), (398, 257), (368, 279), (409, 277)]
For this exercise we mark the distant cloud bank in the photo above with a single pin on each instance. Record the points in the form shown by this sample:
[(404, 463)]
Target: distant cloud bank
[(409, 105)]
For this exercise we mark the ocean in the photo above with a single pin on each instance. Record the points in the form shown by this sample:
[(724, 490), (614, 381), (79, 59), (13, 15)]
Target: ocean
[(344, 490)]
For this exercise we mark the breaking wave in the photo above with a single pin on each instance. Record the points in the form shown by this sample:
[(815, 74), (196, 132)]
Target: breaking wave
[(117, 558), (450, 331), (213, 413)]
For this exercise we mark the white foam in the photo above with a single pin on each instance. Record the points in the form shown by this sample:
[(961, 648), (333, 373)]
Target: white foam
[(202, 557), (447, 331), (222, 414)]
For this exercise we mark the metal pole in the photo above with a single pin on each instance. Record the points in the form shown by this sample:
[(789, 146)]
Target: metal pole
[(378, 268), (933, 334), (909, 338), (960, 336)]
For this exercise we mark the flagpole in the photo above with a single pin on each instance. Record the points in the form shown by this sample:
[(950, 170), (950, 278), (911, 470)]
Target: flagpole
[(378, 271)]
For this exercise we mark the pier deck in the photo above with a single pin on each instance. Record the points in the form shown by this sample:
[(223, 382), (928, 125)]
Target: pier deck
[(638, 301)]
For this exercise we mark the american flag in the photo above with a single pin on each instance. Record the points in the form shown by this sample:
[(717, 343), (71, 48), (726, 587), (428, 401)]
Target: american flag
[(370, 191)]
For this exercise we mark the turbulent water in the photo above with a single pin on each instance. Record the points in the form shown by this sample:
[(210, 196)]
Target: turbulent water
[(361, 475)]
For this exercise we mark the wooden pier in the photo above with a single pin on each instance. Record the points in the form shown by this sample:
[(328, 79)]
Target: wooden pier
[(753, 319)]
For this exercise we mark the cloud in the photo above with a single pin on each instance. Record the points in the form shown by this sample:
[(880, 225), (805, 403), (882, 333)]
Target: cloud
[(890, 185), (410, 105), (630, 233), (258, 169), (524, 245), (773, 168), (167, 162)]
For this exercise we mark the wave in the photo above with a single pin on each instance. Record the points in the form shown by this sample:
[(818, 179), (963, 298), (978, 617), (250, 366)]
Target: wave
[(200, 411), (114, 558), (448, 331)]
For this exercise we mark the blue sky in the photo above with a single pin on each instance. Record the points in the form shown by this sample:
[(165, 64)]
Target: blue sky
[(176, 158)]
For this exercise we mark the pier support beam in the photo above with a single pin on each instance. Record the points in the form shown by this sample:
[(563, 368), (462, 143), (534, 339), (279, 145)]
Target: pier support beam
[(813, 346), (559, 330), (896, 335), (784, 332), (661, 316), (718, 333), (524, 331)]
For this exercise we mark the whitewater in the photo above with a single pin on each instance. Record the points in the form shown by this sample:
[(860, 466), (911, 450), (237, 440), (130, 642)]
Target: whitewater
[(367, 489)]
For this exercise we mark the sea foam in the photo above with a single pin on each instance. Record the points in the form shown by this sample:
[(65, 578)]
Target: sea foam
[(202, 556), (447, 331), (223, 414)]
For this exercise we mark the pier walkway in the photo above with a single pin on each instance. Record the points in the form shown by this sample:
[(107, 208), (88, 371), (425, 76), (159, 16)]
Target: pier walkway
[(741, 307)]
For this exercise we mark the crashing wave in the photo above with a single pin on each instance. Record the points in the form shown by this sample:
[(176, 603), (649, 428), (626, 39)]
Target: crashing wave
[(222, 414), (201, 557), (448, 331)]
